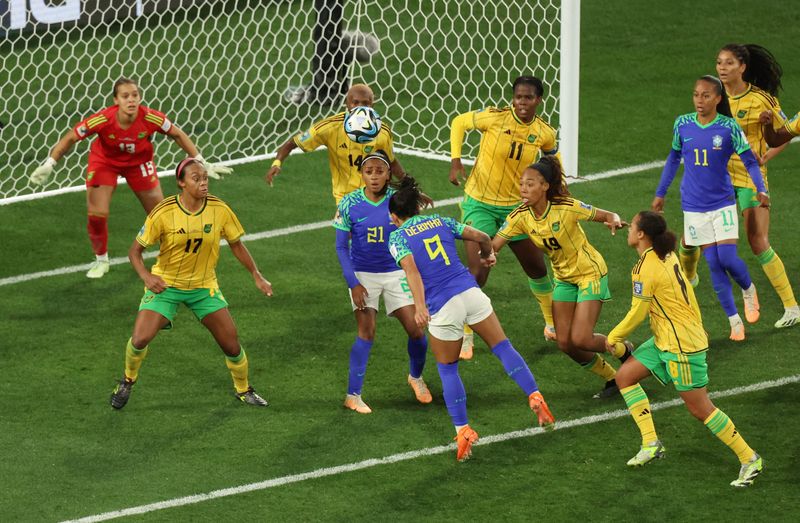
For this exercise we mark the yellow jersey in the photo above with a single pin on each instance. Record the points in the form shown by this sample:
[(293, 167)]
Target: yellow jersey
[(559, 235), (507, 147), (661, 289), (793, 125), (344, 155), (189, 242), (745, 108)]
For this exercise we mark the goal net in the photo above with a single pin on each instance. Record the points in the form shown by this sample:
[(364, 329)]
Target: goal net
[(241, 76)]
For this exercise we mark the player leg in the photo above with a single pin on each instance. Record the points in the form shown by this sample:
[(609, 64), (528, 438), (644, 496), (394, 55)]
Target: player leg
[(532, 261), (628, 376), (724, 290), (144, 183), (582, 337), (479, 216), (688, 258), (210, 307), (100, 185), (489, 329), (417, 350), (359, 351), (756, 221)]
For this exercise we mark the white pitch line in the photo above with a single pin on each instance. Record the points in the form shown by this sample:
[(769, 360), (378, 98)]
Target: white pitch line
[(10, 280), (405, 456)]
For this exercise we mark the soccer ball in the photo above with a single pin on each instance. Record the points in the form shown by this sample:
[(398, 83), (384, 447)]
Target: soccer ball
[(362, 124), (363, 45)]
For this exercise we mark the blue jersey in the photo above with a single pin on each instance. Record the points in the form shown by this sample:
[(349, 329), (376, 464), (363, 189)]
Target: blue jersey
[(705, 150), (431, 240), (369, 226)]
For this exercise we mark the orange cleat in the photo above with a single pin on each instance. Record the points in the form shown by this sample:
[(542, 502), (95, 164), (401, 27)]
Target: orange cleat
[(464, 439), (550, 333), (420, 389), (751, 306), (539, 406), (354, 402), (737, 331), (466, 347)]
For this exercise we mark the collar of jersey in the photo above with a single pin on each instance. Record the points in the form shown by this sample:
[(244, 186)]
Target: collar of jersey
[(544, 215), (746, 91), (516, 118), (414, 220), (186, 211), (709, 124), (374, 204)]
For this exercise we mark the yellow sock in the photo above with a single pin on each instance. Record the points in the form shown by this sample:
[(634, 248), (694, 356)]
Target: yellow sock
[(688, 258), (542, 289), (639, 407), (600, 367), (238, 367), (776, 272), (133, 360), (467, 330), (722, 427)]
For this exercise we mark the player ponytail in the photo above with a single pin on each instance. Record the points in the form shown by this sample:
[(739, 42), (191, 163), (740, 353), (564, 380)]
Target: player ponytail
[(761, 67), (723, 107), (654, 226), (550, 169), (407, 201), (531, 81), (126, 81)]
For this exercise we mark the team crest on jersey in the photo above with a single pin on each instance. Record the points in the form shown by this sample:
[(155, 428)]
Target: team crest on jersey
[(556, 226), (741, 114), (141, 135), (368, 149), (531, 138), (717, 141), (638, 288), (208, 228)]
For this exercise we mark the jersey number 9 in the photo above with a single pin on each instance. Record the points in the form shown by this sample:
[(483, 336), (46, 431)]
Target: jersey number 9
[(435, 248)]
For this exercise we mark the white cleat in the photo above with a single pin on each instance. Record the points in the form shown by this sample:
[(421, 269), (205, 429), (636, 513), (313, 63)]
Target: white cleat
[(790, 318), (98, 269), (467, 345)]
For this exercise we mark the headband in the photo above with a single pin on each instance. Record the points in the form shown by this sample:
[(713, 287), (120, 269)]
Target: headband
[(380, 155), (182, 165)]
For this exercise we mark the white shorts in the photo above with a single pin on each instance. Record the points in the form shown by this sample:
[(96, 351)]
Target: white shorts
[(703, 228), (470, 307), (393, 286)]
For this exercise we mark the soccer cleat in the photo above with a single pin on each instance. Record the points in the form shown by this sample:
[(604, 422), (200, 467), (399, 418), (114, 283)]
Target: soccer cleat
[(748, 472), (252, 398), (420, 389), (550, 333), (121, 393), (751, 306), (98, 269), (647, 453), (694, 281), (467, 345), (539, 406), (790, 317), (354, 402), (464, 440), (737, 331), (609, 391)]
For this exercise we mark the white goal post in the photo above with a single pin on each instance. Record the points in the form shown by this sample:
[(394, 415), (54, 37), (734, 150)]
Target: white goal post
[(240, 76)]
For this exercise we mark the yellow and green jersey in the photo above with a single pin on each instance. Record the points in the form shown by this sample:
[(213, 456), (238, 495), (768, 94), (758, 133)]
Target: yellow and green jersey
[(344, 155), (189, 242), (661, 289), (507, 147), (745, 108), (793, 125), (559, 234)]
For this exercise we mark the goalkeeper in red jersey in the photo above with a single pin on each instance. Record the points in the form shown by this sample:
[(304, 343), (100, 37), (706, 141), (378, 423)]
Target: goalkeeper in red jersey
[(124, 148)]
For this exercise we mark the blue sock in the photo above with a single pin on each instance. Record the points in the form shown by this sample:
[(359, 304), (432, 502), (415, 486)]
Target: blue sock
[(359, 354), (515, 366), (455, 397), (417, 349), (734, 265), (720, 281)]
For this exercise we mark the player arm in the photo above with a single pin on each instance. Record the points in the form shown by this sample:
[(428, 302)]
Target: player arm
[(153, 282), (183, 141), (753, 169), (609, 218), (343, 253), (280, 155), (246, 259), (484, 241), (409, 266), (458, 128), (64, 145), (636, 315)]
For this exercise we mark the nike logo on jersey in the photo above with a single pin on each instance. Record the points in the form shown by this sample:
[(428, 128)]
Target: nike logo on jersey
[(361, 219), (687, 140)]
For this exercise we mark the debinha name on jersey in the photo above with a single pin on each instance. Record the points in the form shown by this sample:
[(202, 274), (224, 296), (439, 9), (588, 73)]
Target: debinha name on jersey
[(422, 227)]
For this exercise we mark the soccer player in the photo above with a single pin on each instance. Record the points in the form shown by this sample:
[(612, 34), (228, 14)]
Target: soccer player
[(705, 140), (550, 217), (124, 148), (344, 155), (777, 137), (752, 78), (512, 138), (188, 228), (677, 352), (447, 297), (370, 272)]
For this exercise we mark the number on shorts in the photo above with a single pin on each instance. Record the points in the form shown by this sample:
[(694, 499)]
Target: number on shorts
[(727, 217), (682, 283), (147, 169), (375, 234), (433, 252)]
